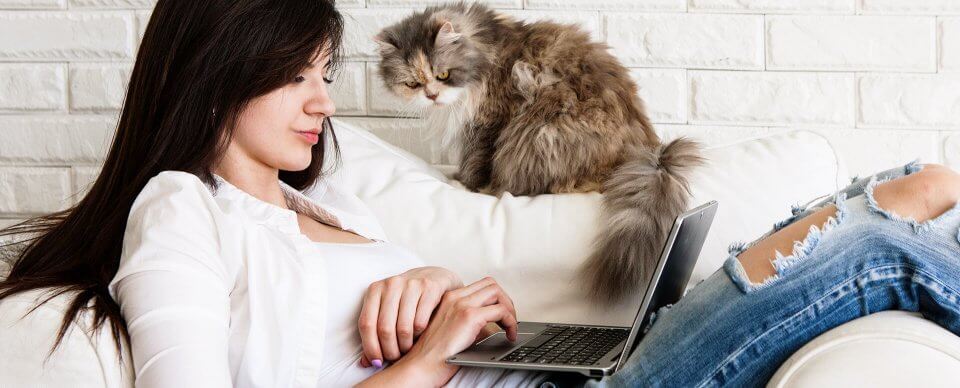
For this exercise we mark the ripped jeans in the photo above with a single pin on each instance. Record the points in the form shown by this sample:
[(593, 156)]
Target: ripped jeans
[(727, 331)]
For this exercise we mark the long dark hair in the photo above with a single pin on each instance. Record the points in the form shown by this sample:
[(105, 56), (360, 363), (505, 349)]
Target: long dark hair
[(197, 58)]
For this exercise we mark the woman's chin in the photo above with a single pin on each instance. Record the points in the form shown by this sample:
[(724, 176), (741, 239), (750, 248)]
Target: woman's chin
[(299, 165)]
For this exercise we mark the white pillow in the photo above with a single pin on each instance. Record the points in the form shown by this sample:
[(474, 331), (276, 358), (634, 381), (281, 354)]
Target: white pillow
[(534, 245)]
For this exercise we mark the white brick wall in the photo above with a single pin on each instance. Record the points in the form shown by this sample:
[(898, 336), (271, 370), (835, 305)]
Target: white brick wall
[(879, 78)]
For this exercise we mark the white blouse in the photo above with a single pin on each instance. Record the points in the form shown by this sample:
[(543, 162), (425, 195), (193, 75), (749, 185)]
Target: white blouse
[(356, 266), (243, 299)]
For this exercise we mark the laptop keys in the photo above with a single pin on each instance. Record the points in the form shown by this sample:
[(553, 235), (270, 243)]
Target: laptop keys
[(574, 345)]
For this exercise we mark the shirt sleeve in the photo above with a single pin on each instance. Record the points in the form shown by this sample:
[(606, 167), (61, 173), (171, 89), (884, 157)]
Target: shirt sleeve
[(173, 287)]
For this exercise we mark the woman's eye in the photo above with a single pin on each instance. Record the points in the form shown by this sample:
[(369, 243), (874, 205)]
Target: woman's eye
[(299, 79), (443, 76), (327, 80), (412, 85)]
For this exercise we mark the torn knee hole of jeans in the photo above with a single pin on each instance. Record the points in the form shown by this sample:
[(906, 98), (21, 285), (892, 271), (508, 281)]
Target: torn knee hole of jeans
[(795, 211), (912, 167), (918, 227), (801, 250)]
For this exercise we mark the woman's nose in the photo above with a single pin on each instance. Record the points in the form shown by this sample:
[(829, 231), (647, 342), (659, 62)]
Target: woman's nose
[(321, 103)]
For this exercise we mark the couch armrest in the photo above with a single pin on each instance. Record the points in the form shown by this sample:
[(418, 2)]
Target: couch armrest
[(884, 349)]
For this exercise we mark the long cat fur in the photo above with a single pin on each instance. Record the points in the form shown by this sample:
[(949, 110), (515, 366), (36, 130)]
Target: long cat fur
[(535, 108)]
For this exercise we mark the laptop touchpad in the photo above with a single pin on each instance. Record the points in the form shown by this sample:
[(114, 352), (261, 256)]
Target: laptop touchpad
[(499, 341)]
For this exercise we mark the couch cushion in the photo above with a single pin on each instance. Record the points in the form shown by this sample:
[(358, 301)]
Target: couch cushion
[(83, 359), (533, 245)]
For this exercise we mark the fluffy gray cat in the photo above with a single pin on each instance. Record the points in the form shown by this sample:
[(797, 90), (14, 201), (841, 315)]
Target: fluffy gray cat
[(535, 108)]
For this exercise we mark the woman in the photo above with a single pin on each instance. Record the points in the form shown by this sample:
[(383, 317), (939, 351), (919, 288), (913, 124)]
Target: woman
[(216, 268)]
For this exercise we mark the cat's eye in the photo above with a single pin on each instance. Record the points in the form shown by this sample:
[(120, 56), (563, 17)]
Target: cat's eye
[(443, 76), (412, 85)]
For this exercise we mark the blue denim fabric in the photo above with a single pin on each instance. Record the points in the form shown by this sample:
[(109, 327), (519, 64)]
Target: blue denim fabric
[(727, 331)]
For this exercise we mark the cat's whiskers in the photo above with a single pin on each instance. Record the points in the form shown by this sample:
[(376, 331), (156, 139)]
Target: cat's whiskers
[(410, 108)]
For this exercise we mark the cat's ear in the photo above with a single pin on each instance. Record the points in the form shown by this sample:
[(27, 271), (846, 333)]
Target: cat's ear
[(447, 34), (383, 47)]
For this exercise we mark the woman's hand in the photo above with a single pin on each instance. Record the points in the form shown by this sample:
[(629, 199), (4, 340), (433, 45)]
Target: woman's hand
[(462, 315), (397, 309)]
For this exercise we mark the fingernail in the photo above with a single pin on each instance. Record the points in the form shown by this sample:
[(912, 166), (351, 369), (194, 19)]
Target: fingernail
[(377, 363)]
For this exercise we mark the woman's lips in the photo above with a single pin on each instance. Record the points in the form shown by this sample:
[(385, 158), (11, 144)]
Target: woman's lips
[(310, 137)]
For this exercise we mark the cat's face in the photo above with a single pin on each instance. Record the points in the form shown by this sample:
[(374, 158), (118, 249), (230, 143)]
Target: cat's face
[(427, 63)]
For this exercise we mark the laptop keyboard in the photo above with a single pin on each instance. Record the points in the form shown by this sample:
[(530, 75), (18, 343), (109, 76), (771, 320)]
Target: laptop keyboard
[(572, 345)]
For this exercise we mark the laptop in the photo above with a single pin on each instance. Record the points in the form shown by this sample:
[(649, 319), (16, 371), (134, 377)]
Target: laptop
[(596, 350)]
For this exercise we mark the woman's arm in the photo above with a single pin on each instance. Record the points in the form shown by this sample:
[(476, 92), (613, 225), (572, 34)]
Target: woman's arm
[(173, 287), (178, 323)]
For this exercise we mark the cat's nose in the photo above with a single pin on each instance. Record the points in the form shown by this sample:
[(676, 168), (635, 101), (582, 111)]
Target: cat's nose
[(432, 97)]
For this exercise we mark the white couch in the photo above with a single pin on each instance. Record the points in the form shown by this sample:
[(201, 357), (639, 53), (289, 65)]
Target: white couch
[(533, 245)]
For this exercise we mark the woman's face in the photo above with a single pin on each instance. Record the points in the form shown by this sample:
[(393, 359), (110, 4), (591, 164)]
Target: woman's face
[(278, 130)]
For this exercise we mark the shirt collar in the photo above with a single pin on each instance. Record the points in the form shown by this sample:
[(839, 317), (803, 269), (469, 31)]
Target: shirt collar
[(270, 214)]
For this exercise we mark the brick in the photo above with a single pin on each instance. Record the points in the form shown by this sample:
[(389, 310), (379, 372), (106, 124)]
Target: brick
[(143, 19), (589, 21), (66, 35), (774, 6), (714, 135), (360, 25), (32, 190), (950, 44), (928, 101), (7, 251), (98, 86), (867, 152), (771, 98), (951, 151), (925, 7), (54, 139), (687, 40), (32, 4), (633, 5), (424, 3), (381, 101), (664, 93), (882, 43), (32, 87), (406, 134), (83, 178), (348, 90), (113, 3)]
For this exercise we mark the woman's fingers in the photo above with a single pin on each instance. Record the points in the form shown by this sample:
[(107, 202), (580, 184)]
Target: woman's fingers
[(429, 299), (369, 315), (409, 299), (471, 288), (387, 320), (503, 316), (491, 294), (486, 295)]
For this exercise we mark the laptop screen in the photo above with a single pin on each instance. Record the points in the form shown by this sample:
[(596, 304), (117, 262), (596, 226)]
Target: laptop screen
[(673, 270)]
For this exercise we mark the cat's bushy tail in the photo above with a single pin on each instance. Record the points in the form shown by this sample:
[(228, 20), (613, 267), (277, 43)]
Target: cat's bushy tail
[(641, 200)]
